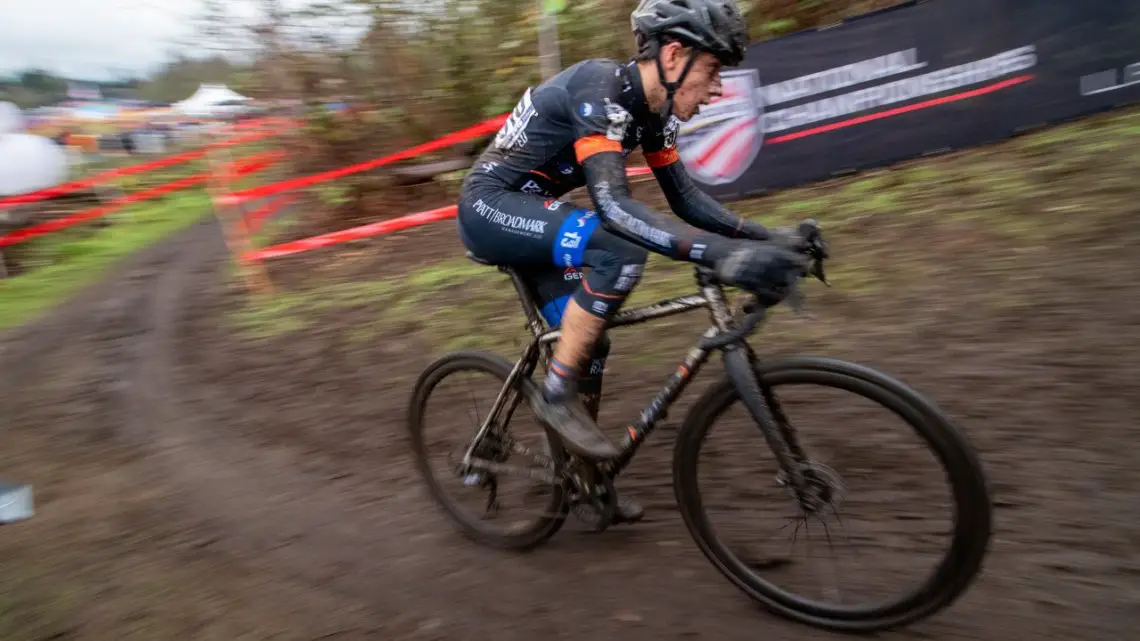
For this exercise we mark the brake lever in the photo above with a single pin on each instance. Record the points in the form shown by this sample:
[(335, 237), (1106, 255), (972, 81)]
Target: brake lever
[(809, 231), (817, 271)]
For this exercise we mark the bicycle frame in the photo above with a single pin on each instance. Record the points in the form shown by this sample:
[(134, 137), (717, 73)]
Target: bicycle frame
[(712, 298)]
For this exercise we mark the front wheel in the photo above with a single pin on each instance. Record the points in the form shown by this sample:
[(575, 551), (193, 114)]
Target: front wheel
[(968, 530)]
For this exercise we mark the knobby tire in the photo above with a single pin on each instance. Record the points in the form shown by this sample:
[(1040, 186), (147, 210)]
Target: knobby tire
[(972, 503)]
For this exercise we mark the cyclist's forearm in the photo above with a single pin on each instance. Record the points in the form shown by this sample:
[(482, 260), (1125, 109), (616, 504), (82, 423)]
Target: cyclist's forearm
[(632, 220), (699, 209)]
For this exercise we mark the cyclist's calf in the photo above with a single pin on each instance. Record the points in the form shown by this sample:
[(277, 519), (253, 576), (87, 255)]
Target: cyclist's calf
[(590, 385)]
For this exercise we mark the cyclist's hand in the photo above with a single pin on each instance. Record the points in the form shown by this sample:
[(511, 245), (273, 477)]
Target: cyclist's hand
[(765, 269), (805, 238)]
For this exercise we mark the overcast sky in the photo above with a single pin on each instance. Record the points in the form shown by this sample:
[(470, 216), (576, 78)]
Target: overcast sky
[(99, 39), (94, 39)]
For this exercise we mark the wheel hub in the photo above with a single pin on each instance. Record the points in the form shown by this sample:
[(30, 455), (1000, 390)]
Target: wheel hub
[(494, 447), (822, 487)]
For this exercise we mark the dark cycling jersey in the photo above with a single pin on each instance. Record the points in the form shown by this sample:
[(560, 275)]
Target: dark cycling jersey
[(577, 129)]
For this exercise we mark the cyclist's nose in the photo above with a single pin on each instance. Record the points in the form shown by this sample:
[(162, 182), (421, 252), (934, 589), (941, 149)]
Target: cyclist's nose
[(716, 89)]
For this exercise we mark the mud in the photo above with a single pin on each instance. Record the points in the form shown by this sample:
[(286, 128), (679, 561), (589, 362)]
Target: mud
[(195, 483)]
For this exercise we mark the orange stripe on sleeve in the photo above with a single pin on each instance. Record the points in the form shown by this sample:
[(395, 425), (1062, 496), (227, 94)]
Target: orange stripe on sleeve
[(662, 158), (589, 145)]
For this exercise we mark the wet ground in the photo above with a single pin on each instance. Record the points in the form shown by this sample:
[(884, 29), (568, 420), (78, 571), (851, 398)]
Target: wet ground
[(193, 481)]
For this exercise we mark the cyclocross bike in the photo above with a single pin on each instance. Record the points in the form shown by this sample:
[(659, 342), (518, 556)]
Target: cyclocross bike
[(574, 482)]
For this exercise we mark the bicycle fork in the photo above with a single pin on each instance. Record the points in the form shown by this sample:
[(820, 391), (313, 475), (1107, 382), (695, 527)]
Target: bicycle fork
[(764, 408), (740, 365)]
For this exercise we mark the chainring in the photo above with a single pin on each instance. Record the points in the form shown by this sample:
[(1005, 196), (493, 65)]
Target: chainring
[(594, 499)]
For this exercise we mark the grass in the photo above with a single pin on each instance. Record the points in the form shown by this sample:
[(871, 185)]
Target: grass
[(892, 229), (77, 258), (409, 302), (269, 316)]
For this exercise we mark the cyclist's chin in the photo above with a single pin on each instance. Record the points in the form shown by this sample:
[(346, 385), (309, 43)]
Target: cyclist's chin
[(683, 114)]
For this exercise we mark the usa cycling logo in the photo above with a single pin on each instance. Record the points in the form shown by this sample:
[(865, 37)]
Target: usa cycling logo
[(719, 144)]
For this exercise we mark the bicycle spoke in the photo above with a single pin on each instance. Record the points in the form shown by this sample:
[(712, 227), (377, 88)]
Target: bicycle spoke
[(835, 592), (474, 402), (508, 513), (770, 562), (853, 440)]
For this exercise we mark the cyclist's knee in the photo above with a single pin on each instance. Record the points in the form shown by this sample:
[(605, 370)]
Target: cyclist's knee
[(622, 266), (631, 254), (631, 262), (616, 269)]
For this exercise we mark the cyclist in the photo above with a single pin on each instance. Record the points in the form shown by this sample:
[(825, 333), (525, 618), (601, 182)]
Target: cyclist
[(577, 129)]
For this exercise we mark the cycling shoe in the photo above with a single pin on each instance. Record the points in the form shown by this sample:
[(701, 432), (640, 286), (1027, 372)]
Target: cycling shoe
[(580, 434)]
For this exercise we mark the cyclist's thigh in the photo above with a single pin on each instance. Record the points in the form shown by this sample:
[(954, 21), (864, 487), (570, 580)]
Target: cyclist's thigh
[(514, 228), (549, 241), (510, 228)]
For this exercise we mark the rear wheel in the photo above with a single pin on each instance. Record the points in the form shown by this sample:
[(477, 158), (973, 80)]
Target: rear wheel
[(969, 518), (516, 457)]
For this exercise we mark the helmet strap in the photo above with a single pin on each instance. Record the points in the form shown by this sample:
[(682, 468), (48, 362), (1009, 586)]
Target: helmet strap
[(671, 87)]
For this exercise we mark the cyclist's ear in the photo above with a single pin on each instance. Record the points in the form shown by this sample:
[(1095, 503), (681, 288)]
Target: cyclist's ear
[(674, 56)]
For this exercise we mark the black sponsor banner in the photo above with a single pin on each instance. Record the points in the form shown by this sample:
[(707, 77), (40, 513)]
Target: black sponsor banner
[(915, 79), (1089, 53)]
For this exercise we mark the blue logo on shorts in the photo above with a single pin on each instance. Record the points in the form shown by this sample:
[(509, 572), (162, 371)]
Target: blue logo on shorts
[(573, 235)]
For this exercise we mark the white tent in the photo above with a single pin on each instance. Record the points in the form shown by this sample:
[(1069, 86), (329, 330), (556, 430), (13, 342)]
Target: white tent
[(209, 100)]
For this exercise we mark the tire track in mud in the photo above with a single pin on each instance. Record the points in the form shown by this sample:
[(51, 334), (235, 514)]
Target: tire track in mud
[(392, 565), (25, 349), (645, 582), (396, 560), (108, 338), (262, 503), (253, 499), (393, 556), (380, 562)]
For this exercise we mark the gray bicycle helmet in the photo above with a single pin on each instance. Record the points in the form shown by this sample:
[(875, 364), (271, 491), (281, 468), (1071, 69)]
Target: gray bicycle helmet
[(715, 26)]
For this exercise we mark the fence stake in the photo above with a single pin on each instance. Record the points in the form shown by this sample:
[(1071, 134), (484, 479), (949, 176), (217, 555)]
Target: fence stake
[(234, 228)]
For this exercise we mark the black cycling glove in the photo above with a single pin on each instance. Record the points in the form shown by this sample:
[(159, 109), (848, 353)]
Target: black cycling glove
[(767, 270)]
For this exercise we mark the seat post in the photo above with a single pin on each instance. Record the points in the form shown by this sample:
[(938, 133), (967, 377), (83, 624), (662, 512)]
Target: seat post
[(530, 307)]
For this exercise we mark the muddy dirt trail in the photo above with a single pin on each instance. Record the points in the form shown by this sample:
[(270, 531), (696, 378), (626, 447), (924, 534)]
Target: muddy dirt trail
[(194, 485)]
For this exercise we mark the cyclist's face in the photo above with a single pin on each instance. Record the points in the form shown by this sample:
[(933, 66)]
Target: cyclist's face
[(701, 85)]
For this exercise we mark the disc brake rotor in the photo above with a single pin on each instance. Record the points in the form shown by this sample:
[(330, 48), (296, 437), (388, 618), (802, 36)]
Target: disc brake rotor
[(823, 487)]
